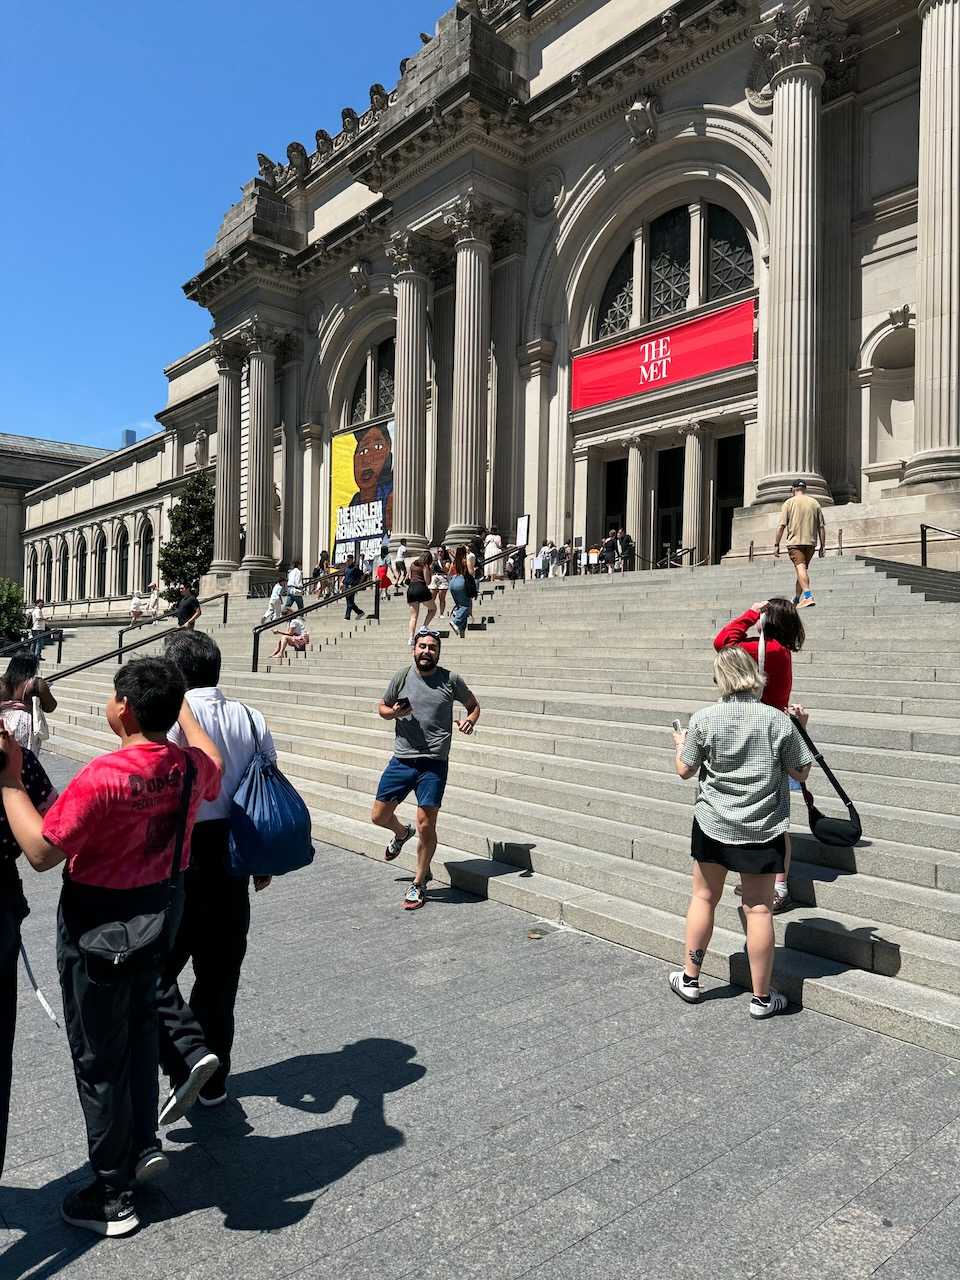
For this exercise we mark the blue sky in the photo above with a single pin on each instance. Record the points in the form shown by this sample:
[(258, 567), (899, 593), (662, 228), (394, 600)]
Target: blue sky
[(128, 130)]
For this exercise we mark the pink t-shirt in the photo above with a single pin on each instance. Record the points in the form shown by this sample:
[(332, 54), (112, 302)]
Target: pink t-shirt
[(117, 820)]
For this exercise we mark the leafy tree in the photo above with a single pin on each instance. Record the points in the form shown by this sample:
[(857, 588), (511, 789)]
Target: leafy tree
[(187, 553), (12, 618)]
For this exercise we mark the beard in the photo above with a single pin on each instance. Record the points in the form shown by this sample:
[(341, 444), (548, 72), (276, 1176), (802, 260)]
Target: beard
[(426, 661)]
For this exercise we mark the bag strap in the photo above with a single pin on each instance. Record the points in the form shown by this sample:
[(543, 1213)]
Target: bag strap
[(762, 647), (253, 727), (189, 773), (831, 776)]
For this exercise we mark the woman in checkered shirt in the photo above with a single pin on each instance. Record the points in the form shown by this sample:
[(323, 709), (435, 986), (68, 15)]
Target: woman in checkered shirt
[(744, 753)]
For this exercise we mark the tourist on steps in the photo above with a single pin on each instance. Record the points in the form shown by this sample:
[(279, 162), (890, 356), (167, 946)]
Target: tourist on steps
[(802, 519), (744, 753), (19, 686), (352, 577), (419, 595), (463, 590), (783, 636), (293, 634), (419, 700)]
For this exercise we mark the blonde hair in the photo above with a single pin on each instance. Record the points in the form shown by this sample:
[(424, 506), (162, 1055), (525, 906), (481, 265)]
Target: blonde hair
[(734, 671)]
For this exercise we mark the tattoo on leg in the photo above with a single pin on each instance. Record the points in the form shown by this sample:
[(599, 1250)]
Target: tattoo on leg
[(696, 956)]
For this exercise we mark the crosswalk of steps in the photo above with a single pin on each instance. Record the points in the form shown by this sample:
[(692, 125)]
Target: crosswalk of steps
[(565, 803)]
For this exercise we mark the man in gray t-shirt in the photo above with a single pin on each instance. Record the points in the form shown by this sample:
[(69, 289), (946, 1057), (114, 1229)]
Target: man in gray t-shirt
[(419, 700)]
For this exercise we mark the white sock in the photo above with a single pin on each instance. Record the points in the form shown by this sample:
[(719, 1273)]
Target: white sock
[(781, 889)]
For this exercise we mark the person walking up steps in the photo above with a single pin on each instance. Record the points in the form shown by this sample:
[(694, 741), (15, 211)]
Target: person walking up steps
[(744, 754), (419, 700), (802, 519)]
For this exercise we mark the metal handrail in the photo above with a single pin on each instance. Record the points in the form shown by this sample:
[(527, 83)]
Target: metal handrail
[(259, 629), (114, 653), (135, 626), (950, 533)]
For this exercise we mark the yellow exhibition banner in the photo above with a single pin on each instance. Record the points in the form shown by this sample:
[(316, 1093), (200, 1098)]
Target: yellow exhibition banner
[(361, 491)]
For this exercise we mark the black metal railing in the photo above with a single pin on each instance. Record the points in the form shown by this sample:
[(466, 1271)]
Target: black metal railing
[(312, 608), (934, 528), (148, 622), (113, 653)]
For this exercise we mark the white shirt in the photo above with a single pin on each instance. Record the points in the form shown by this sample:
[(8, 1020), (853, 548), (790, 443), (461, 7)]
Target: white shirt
[(225, 720), (136, 603), (154, 602), (295, 578), (492, 546), (276, 593), (37, 620), (295, 626), (402, 551)]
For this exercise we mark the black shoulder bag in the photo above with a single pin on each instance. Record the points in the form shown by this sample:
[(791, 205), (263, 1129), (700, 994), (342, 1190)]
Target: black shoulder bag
[(123, 947), (843, 833)]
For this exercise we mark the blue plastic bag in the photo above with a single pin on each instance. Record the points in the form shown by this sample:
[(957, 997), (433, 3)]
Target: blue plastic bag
[(269, 823)]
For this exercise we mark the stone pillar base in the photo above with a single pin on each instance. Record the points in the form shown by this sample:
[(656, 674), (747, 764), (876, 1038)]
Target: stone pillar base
[(416, 543), (778, 488), (459, 534), (236, 581), (932, 465)]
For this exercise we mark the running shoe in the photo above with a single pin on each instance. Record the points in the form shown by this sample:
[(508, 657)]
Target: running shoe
[(102, 1210), (414, 898), (775, 1003), (396, 844), (685, 989), (781, 902), (182, 1098), (806, 601), (151, 1164)]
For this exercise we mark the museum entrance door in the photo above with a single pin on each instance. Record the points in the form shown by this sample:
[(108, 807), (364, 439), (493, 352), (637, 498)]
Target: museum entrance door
[(729, 491), (669, 518)]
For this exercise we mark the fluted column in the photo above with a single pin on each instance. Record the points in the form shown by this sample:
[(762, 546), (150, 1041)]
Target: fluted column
[(291, 373), (834, 380), (261, 356), (226, 520), (796, 49), (694, 447), (639, 465), (936, 430), (470, 220), (409, 257)]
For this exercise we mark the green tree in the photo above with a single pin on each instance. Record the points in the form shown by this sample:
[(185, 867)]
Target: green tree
[(12, 618), (187, 553)]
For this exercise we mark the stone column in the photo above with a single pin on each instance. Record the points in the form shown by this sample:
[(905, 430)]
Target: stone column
[(834, 382), (796, 48), (410, 263), (292, 498), (506, 449), (261, 354), (536, 366), (641, 276), (697, 295), (226, 526), (314, 536), (695, 439), (936, 429), (470, 220), (639, 466)]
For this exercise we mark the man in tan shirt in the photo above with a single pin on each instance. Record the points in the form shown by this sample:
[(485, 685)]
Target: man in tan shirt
[(802, 518)]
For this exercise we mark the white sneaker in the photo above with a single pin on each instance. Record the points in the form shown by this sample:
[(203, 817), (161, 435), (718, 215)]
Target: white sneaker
[(775, 1003), (684, 990)]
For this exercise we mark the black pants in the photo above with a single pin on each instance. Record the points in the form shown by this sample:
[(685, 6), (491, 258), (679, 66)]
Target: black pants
[(112, 1030), (13, 908), (353, 607), (212, 933)]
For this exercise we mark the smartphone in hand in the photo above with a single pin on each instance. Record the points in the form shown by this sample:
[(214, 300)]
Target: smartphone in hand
[(676, 725), (402, 706)]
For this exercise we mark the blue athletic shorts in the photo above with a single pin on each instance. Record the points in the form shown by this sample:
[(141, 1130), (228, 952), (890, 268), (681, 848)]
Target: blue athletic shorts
[(422, 774)]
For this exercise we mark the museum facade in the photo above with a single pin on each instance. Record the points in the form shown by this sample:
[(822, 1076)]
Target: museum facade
[(597, 262)]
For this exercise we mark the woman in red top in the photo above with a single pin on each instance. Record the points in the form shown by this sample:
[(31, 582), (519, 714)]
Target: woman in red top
[(783, 637)]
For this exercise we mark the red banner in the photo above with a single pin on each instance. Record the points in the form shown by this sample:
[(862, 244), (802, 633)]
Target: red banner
[(689, 349)]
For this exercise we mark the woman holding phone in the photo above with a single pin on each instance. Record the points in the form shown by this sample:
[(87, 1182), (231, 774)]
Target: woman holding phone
[(744, 753)]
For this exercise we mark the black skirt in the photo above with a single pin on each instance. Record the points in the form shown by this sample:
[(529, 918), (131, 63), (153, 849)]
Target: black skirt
[(748, 859), (418, 592)]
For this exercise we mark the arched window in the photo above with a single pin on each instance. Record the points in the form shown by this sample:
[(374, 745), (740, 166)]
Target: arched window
[(146, 554), (81, 567), (373, 392), (123, 561), (48, 575), (63, 573), (100, 561), (729, 256), (676, 278), (616, 305), (34, 576)]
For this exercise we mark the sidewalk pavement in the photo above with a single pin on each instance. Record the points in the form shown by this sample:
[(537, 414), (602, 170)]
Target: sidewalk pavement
[(438, 1095)]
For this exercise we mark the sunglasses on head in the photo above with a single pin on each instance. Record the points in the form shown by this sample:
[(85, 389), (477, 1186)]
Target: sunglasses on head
[(426, 631)]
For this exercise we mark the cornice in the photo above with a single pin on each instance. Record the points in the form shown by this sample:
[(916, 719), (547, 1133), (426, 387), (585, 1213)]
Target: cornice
[(131, 504)]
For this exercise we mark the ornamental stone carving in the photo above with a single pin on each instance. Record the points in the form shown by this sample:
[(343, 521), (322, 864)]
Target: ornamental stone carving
[(900, 318), (360, 278), (258, 337), (324, 144), (546, 192), (351, 121), (379, 98), (228, 356), (642, 121), (409, 253), (297, 158), (201, 448), (807, 36), (469, 217), (268, 170)]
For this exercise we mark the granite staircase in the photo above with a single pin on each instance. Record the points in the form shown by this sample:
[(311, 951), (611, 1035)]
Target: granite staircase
[(565, 803)]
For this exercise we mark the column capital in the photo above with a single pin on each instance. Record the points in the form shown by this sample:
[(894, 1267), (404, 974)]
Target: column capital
[(311, 433), (228, 355), (536, 358), (470, 217), (641, 443), (802, 39), (410, 254), (698, 427), (260, 338)]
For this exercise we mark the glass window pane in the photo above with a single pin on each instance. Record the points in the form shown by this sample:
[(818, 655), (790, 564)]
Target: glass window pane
[(616, 304), (358, 404), (386, 360), (670, 262), (729, 260)]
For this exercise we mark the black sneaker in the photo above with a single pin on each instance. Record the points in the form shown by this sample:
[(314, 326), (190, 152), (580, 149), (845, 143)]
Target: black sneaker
[(102, 1210), (181, 1099), (151, 1163)]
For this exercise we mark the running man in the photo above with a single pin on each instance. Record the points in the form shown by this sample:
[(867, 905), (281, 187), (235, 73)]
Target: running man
[(802, 518), (419, 699)]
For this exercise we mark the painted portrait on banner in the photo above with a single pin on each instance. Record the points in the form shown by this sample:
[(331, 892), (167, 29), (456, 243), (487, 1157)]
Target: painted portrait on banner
[(361, 491)]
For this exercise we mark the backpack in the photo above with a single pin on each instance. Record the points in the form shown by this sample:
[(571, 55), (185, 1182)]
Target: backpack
[(269, 823)]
